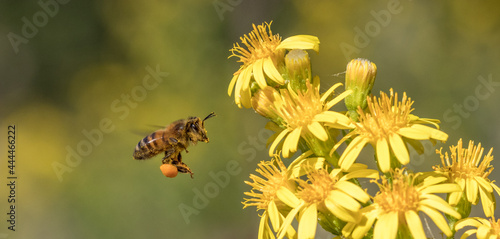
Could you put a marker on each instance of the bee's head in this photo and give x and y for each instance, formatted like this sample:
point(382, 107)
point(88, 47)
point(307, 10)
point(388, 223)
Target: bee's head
point(196, 128)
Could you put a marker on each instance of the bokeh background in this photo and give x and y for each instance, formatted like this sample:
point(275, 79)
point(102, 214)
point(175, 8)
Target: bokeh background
point(85, 58)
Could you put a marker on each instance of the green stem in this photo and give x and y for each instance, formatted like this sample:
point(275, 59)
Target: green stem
point(323, 148)
point(463, 207)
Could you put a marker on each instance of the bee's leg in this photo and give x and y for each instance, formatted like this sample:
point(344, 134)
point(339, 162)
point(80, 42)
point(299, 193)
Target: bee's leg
point(179, 158)
point(174, 141)
point(168, 156)
point(183, 168)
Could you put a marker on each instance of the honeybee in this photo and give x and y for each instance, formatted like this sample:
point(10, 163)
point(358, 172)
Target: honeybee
point(172, 140)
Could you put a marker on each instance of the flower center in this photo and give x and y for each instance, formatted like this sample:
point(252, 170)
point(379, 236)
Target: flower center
point(465, 162)
point(273, 177)
point(387, 116)
point(260, 43)
point(319, 187)
point(399, 197)
point(301, 108)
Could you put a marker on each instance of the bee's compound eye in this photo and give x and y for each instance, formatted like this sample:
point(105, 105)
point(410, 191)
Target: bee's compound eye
point(194, 127)
point(169, 170)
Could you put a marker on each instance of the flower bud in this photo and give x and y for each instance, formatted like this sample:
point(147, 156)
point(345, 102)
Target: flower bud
point(360, 76)
point(298, 65)
point(263, 103)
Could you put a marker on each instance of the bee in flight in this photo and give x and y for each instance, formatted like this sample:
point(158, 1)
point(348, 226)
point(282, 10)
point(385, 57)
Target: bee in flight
point(172, 140)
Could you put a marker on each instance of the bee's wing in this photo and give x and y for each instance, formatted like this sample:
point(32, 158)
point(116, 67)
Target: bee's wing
point(149, 129)
point(155, 126)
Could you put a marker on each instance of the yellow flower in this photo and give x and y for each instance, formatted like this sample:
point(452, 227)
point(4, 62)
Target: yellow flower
point(263, 195)
point(263, 54)
point(327, 193)
point(396, 207)
point(305, 114)
point(388, 126)
point(485, 229)
point(467, 170)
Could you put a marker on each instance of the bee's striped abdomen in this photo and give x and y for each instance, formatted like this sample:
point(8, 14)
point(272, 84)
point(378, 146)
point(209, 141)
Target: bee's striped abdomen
point(150, 146)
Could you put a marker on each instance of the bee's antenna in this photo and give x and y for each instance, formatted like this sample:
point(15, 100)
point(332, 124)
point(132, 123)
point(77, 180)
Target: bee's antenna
point(210, 116)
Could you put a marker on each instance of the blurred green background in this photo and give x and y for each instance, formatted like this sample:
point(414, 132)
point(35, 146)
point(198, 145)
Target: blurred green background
point(60, 79)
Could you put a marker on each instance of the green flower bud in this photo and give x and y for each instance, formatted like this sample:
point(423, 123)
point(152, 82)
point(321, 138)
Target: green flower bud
point(298, 65)
point(360, 76)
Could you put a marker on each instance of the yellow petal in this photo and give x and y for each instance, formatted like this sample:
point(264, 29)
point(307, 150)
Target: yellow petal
point(357, 166)
point(246, 97)
point(231, 85)
point(362, 173)
point(274, 215)
point(432, 132)
point(335, 172)
point(258, 73)
point(287, 197)
point(300, 42)
point(318, 131)
point(484, 184)
point(399, 149)
point(487, 203)
point(327, 116)
point(238, 88)
point(291, 142)
point(361, 230)
point(383, 156)
point(412, 133)
point(353, 190)
point(497, 189)
point(454, 198)
point(414, 224)
point(264, 230)
point(386, 226)
point(432, 180)
point(288, 220)
point(365, 223)
point(342, 123)
point(461, 183)
point(351, 152)
point(337, 99)
point(294, 168)
point(471, 190)
point(468, 222)
point(325, 95)
point(246, 75)
point(468, 233)
point(277, 140)
point(271, 139)
point(347, 230)
point(437, 218)
point(442, 188)
point(298, 168)
point(482, 232)
point(340, 212)
point(290, 232)
point(308, 222)
point(344, 200)
point(440, 204)
point(272, 72)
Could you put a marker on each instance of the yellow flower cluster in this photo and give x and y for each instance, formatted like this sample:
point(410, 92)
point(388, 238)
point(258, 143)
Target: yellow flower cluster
point(321, 185)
